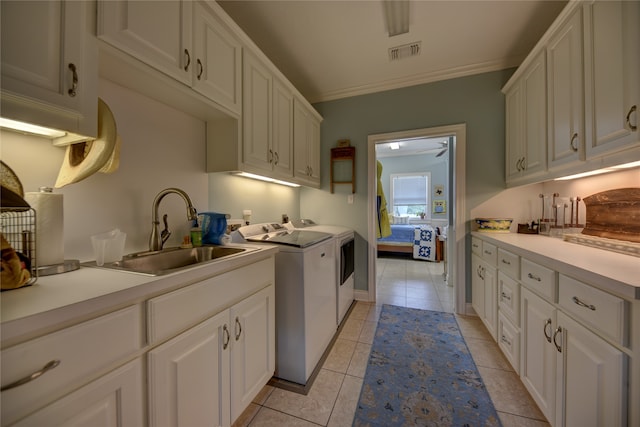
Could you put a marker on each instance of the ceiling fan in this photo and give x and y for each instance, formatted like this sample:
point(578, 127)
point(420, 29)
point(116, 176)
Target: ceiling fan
point(445, 147)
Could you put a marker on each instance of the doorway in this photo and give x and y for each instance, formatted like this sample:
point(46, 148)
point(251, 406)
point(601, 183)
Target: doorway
point(455, 135)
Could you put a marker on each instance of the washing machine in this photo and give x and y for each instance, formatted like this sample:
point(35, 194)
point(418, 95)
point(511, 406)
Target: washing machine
point(345, 259)
point(305, 296)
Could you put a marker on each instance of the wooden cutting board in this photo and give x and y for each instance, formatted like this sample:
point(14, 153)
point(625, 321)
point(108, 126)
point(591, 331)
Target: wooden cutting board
point(614, 214)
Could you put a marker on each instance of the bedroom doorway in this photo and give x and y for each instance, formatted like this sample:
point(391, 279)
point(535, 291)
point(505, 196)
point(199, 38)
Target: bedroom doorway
point(442, 150)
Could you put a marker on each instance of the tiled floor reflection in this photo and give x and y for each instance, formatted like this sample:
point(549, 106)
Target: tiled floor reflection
point(334, 395)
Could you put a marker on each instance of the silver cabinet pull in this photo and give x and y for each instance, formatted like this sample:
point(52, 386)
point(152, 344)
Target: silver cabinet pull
point(238, 329)
point(277, 157)
point(547, 324)
point(74, 84)
point(52, 364)
point(505, 340)
point(186, 66)
point(531, 276)
point(488, 252)
point(200, 68)
point(504, 261)
point(555, 334)
point(583, 304)
point(573, 139)
point(226, 337)
point(505, 296)
point(270, 156)
point(632, 127)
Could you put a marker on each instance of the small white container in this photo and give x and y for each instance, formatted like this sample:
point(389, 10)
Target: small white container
point(108, 247)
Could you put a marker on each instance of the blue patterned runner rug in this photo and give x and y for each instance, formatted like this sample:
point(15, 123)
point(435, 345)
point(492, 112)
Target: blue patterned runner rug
point(420, 373)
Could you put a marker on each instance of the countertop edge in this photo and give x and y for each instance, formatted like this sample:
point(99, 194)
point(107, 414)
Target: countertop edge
point(16, 328)
point(566, 259)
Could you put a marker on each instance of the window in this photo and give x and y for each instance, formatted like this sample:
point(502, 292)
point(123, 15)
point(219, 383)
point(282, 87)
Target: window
point(409, 194)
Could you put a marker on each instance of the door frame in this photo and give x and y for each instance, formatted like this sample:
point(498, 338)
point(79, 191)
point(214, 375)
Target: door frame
point(456, 233)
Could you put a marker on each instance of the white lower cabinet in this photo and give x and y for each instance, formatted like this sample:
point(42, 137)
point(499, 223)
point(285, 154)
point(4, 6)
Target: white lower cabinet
point(209, 374)
point(484, 285)
point(576, 377)
point(538, 359)
point(590, 379)
point(112, 400)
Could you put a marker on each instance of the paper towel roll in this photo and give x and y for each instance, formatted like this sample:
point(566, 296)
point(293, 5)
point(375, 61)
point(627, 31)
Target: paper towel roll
point(49, 226)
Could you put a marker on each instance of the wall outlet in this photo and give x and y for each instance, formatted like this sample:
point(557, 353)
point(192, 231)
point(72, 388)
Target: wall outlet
point(350, 199)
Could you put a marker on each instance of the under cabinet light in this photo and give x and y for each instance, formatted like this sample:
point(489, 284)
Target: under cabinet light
point(30, 129)
point(600, 171)
point(264, 178)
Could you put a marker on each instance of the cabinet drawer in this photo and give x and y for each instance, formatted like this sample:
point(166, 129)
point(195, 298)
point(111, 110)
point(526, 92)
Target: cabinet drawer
point(509, 297)
point(476, 246)
point(509, 263)
point(82, 350)
point(538, 278)
point(509, 341)
point(596, 308)
point(176, 311)
point(489, 253)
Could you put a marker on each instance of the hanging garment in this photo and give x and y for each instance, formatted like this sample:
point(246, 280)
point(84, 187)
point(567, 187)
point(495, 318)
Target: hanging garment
point(384, 229)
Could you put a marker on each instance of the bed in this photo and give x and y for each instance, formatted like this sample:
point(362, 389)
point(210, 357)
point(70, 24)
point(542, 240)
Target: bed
point(420, 240)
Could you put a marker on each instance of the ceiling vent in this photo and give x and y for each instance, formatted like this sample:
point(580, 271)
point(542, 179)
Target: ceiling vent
point(405, 51)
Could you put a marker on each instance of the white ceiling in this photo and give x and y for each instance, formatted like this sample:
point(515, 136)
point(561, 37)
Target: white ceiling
point(335, 49)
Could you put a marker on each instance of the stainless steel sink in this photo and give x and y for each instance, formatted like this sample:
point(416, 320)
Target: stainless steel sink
point(158, 263)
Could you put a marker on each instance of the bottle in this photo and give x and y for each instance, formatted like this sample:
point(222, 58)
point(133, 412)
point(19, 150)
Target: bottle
point(196, 236)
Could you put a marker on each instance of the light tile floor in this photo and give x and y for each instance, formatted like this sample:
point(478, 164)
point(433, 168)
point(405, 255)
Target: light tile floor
point(334, 395)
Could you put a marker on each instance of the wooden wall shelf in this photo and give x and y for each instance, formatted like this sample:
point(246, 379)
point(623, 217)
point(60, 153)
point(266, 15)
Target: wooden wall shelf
point(344, 154)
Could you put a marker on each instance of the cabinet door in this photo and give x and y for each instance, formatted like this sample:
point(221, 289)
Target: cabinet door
point(115, 399)
point(566, 93)
point(534, 85)
point(514, 123)
point(490, 319)
point(189, 377)
point(477, 286)
point(217, 69)
point(591, 378)
point(157, 32)
point(253, 354)
point(612, 67)
point(282, 125)
point(538, 355)
point(313, 154)
point(49, 59)
point(256, 109)
point(306, 137)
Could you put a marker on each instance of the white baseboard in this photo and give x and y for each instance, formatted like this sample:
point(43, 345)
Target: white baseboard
point(360, 295)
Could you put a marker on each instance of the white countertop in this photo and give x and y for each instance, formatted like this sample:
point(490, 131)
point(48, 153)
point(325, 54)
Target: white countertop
point(610, 271)
point(56, 301)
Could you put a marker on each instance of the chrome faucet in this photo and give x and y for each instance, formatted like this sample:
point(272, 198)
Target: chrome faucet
point(156, 241)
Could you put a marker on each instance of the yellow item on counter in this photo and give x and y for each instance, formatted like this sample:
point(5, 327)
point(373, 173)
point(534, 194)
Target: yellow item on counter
point(384, 228)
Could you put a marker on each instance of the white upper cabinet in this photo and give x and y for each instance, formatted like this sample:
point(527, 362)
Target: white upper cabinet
point(267, 120)
point(159, 33)
point(612, 70)
point(565, 91)
point(49, 65)
point(306, 139)
point(526, 122)
point(183, 39)
point(218, 59)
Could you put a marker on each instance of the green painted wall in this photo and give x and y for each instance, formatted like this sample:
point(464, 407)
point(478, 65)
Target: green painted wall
point(474, 100)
